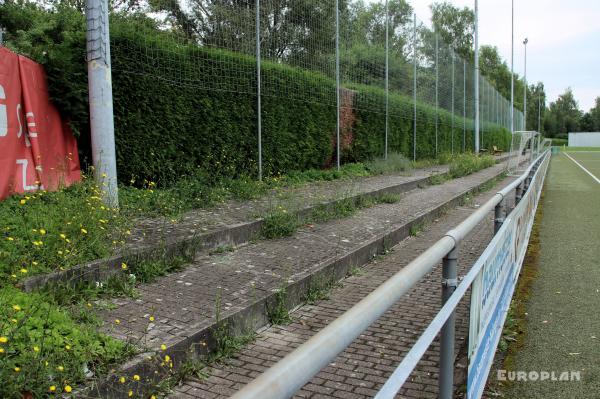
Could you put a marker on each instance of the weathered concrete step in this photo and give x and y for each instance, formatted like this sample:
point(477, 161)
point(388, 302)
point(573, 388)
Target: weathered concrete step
point(360, 370)
point(233, 223)
point(247, 280)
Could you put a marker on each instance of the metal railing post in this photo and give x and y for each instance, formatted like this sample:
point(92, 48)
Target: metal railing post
point(498, 216)
point(518, 193)
point(337, 81)
point(449, 284)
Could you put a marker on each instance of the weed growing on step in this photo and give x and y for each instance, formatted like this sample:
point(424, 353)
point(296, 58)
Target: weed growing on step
point(280, 223)
point(221, 249)
point(277, 312)
point(356, 271)
point(388, 198)
point(415, 229)
point(438, 179)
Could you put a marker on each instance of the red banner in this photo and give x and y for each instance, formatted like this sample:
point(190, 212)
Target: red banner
point(37, 150)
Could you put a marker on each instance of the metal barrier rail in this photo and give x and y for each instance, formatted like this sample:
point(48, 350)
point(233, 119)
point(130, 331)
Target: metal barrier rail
point(288, 375)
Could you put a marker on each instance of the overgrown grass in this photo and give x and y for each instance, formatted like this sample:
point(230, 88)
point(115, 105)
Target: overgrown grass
point(47, 231)
point(465, 164)
point(44, 351)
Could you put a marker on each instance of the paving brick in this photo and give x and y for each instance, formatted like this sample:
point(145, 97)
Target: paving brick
point(375, 354)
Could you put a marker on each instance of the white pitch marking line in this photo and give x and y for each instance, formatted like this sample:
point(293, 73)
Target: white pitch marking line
point(584, 169)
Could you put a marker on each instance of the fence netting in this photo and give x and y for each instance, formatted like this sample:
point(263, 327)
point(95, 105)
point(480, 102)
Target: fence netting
point(389, 60)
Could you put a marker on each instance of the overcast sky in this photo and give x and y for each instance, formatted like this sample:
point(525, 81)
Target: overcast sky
point(564, 41)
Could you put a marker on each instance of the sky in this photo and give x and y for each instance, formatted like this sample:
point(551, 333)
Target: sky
point(564, 41)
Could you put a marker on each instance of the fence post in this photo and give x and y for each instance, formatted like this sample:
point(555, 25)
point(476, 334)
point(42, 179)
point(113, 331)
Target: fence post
point(387, 71)
point(436, 92)
point(101, 101)
point(414, 86)
point(337, 81)
point(449, 283)
point(258, 92)
point(452, 107)
point(476, 89)
point(464, 145)
point(498, 217)
point(518, 194)
point(1, 36)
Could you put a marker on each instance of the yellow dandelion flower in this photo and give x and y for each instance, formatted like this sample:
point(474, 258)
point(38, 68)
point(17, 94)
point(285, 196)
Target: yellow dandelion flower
point(136, 377)
point(60, 368)
point(152, 397)
point(17, 369)
point(151, 318)
point(83, 231)
point(22, 202)
point(3, 340)
point(1, 350)
point(13, 320)
point(68, 388)
point(13, 275)
point(52, 388)
point(23, 270)
point(68, 347)
point(130, 393)
point(163, 347)
point(89, 305)
point(167, 358)
point(36, 348)
point(10, 238)
point(117, 321)
point(43, 232)
point(122, 380)
point(124, 266)
point(63, 236)
point(16, 308)
point(34, 263)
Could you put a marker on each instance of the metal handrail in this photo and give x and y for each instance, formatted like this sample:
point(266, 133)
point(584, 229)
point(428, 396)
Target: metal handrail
point(409, 362)
point(288, 375)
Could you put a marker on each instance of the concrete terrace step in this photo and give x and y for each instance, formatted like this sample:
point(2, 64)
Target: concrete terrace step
point(363, 367)
point(233, 222)
point(247, 280)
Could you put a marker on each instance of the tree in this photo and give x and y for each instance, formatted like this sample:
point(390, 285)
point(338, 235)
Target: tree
point(563, 115)
point(456, 26)
point(594, 117)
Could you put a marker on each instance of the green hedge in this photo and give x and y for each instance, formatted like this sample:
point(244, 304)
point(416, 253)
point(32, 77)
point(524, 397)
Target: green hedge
point(184, 110)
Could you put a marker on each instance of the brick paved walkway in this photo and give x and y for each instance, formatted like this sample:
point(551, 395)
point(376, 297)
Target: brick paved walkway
point(184, 302)
point(360, 370)
point(148, 231)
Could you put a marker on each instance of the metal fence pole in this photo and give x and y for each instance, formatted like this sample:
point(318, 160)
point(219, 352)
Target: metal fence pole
point(1, 36)
point(436, 92)
point(337, 80)
point(452, 96)
point(258, 92)
point(414, 86)
point(476, 89)
point(498, 217)
point(387, 71)
point(102, 125)
point(449, 283)
point(464, 141)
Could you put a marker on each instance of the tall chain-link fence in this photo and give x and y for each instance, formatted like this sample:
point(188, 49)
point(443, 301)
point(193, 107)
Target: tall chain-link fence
point(383, 79)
